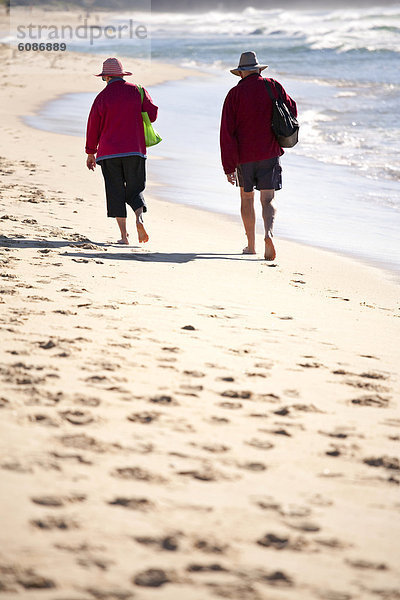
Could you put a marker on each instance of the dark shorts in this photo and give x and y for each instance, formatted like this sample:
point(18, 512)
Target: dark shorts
point(125, 180)
point(261, 174)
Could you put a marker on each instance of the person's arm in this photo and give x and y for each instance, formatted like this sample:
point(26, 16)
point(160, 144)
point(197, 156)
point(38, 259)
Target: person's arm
point(149, 106)
point(92, 136)
point(228, 142)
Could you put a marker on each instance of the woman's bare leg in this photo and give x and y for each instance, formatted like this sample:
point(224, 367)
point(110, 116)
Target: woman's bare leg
point(122, 227)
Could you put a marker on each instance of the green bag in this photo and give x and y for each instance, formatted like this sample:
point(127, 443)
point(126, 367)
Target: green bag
point(151, 137)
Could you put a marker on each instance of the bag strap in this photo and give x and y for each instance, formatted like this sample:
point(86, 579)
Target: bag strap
point(269, 90)
point(141, 92)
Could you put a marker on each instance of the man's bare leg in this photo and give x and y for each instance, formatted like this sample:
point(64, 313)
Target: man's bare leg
point(268, 213)
point(249, 220)
point(142, 233)
point(122, 227)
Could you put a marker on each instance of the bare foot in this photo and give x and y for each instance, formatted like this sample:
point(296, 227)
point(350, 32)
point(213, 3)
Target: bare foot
point(248, 250)
point(124, 241)
point(142, 233)
point(270, 253)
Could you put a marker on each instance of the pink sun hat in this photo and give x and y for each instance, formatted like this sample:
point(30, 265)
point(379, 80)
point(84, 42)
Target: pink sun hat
point(113, 68)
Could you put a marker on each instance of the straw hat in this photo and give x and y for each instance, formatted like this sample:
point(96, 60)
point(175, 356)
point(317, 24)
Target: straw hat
point(113, 68)
point(248, 62)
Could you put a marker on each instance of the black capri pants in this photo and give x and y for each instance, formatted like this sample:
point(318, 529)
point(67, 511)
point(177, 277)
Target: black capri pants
point(125, 181)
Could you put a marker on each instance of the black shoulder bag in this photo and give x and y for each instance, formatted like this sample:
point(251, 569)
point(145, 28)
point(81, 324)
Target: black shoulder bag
point(284, 125)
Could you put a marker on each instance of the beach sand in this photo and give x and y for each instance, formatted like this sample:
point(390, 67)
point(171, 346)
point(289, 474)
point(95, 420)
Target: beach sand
point(179, 421)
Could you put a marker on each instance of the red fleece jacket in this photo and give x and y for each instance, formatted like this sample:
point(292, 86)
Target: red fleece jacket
point(115, 125)
point(246, 134)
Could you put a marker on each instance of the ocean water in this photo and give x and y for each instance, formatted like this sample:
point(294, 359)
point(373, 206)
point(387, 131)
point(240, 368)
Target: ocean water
point(342, 181)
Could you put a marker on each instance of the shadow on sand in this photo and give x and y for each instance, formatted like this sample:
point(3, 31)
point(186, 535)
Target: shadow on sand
point(132, 252)
point(156, 257)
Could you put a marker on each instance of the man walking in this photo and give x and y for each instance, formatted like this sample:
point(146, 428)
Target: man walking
point(249, 149)
point(115, 134)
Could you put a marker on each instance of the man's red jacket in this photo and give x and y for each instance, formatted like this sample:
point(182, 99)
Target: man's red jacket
point(246, 134)
point(115, 124)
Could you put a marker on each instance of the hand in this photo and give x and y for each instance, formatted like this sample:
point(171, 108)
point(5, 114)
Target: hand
point(91, 162)
point(231, 177)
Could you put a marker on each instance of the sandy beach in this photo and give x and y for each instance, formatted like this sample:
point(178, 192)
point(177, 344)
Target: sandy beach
point(179, 421)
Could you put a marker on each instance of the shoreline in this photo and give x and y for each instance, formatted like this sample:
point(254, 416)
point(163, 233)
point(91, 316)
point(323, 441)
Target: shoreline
point(178, 419)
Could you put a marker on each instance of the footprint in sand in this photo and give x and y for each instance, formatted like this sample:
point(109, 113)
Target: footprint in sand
point(280, 431)
point(85, 442)
point(153, 578)
point(339, 433)
point(387, 462)
point(132, 503)
point(210, 546)
point(47, 345)
point(366, 385)
point(218, 420)
point(210, 568)
point(334, 451)
point(259, 415)
point(13, 577)
point(283, 542)
point(88, 562)
point(276, 579)
point(333, 595)
point(373, 375)
point(230, 405)
point(137, 474)
point(333, 543)
point(243, 395)
point(43, 420)
point(255, 467)
point(260, 444)
point(43, 398)
point(109, 593)
point(194, 373)
point(77, 417)
point(16, 467)
point(97, 379)
point(310, 365)
point(305, 526)
point(172, 349)
point(58, 501)
point(282, 412)
point(273, 398)
point(205, 473)
point(295, 511)
point(144, 417)
point(374, 400)
point(190, 390)
point(74, 457)
point(255, 374)
point(168, 542)
point(310, 408)
point(366, 564)
point(164, 400)
point(215, 448)
point(87, 400)
point(51, 522)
